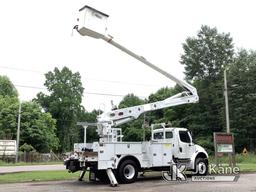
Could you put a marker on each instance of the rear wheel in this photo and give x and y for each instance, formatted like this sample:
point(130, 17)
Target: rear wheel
point(201, 166)
point(127, 172)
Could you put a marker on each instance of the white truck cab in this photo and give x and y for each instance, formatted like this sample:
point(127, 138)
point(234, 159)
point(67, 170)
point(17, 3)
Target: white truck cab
point(183, 148)
point(180, 138)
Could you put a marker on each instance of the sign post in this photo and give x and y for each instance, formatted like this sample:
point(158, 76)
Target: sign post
point(224, 144)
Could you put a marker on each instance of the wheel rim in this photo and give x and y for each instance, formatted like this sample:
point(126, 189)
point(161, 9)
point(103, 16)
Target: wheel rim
point(202, 168)
point(129, 171)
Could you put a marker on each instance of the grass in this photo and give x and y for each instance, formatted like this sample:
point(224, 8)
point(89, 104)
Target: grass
point(250, 167)
point(246, 163)
point(37, 176)
point(240, 159)
point(243, 168)
point(2, 163)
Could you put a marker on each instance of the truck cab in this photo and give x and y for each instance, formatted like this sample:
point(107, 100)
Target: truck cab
point(182, 147)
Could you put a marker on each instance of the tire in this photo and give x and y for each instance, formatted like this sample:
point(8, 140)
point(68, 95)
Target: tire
point(201, 166)
point(102, 176)
point(127, 172)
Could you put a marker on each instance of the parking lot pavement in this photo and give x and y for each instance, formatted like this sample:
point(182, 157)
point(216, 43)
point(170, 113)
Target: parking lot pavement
point(246, 182)
point(14, 169)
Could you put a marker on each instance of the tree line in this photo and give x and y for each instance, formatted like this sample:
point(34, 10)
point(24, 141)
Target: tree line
point(49, 120)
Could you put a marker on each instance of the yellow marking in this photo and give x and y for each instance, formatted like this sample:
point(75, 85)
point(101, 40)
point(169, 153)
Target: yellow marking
point(167, 145)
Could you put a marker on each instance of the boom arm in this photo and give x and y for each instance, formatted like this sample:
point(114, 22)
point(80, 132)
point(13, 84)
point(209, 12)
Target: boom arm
point(120, 116)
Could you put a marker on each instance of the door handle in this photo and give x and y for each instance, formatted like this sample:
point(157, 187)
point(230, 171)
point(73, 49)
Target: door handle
point(180, 149)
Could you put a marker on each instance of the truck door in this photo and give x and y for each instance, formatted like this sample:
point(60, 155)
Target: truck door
point(156, 154)
point(167, 148)
point(186, 148)
point(162, 150)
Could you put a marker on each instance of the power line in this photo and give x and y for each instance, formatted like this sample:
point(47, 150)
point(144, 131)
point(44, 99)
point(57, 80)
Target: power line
point(123, 82)
point(30, 87)
point(20, 69)
point(216, 87)
point(88, 93)
point(109, 81)
point(90, 79)
point(217, 102)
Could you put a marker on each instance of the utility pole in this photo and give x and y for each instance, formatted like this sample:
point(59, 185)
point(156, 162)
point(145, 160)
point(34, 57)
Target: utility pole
point(18, 134)
point(226, 101)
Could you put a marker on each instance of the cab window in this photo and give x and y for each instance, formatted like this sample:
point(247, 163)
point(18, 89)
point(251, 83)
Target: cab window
point(184, 136)
point(168, 135)
point(158, 135)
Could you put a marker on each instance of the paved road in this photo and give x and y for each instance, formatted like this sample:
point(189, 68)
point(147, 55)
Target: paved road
point(246, 182)
point(12, 169)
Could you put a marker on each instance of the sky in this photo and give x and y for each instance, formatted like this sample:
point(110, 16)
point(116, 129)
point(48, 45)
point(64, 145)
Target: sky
point(36, 36)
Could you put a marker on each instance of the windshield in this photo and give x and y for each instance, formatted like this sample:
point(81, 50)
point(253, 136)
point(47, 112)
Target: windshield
point(184, 136)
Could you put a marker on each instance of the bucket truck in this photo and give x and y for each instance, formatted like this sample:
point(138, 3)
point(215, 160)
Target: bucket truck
point(118, 161)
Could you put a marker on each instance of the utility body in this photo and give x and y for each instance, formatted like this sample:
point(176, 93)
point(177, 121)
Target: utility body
point(114, 160)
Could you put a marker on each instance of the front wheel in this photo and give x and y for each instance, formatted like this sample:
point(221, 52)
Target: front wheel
point(201, 166)
point(127, 172)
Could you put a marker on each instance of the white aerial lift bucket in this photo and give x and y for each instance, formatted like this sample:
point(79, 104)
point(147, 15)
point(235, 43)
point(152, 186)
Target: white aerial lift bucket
point(91, 22)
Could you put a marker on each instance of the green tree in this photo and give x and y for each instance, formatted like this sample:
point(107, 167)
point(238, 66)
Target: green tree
point(8, 116)
point(8, 108)
point(91, 134)
point(7, 88)
point(64, 103)
point(205, 57)
point(132, 131)
point(162, 115)
point(242, 98)
point(130, 100)
point(37, 128)
point(27, 148)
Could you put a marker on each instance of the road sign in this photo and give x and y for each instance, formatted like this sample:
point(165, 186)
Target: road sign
point(224, 144)
point(7, 148)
